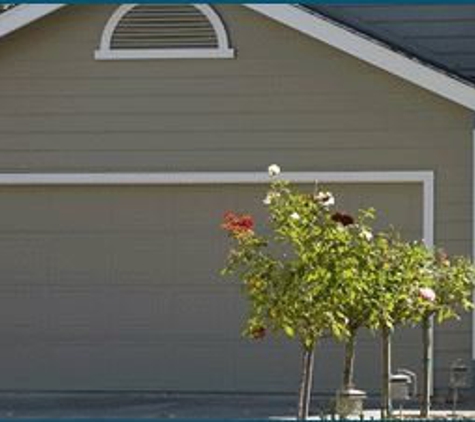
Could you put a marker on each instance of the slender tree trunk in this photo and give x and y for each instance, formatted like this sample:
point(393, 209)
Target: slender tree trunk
point(306, 385)
point(386, 405)
point(427, 342)
point(348, 373)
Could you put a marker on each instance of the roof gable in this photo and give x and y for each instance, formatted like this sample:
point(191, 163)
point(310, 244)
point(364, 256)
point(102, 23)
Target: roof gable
point(320, 28)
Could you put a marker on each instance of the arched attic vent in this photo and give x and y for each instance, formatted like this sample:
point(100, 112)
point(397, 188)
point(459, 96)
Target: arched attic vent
point(164, 31)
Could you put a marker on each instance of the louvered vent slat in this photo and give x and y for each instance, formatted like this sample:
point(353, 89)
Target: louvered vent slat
point(168, 38)
point(164, 26)
point(165, 33)
point(149, 18)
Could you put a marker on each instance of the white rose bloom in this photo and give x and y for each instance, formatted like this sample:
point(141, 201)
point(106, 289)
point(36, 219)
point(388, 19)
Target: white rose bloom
point(274, 170)
point(271, 196)
point(295, 216)
point(319, 196)
point(326, 198)
point(330, 201)
point(366, 234)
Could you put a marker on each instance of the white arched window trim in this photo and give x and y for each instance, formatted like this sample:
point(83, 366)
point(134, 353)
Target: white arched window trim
point(222, 51)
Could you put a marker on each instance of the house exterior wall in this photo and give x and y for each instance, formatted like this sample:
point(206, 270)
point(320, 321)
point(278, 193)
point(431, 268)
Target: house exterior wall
point(285, 99)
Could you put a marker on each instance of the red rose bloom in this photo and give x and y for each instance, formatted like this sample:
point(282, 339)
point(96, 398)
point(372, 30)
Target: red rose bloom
point(237, 224)
point(343, 218)
point(258, 333)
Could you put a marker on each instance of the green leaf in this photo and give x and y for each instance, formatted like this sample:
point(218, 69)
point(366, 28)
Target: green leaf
point(289, 330)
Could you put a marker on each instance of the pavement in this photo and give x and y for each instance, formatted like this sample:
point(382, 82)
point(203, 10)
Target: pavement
point(146, 405)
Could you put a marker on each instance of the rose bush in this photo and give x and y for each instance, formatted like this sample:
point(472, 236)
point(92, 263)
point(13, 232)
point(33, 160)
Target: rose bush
point(293, 277)
point(321, 271)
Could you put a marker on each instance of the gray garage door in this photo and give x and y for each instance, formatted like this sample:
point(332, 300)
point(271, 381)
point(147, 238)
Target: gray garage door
point(119, 288)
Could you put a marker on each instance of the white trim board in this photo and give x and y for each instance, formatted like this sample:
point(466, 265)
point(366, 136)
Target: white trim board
point(175, 53)
point(24, 14)
point(425, 178)
point(319, 28)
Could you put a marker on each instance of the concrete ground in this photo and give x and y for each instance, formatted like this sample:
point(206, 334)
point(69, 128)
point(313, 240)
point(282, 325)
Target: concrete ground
point(94, 405)
point(144, 405)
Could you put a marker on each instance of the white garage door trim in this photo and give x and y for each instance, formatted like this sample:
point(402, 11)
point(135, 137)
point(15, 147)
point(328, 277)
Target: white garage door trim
point(425, 178)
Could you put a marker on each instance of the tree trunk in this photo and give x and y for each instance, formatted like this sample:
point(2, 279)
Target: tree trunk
point(306, 385)
point(427, 342)
point(348, 373)
point(386, 405)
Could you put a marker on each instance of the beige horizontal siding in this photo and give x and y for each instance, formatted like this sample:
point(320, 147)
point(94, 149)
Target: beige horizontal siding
point(204, 160)
point(221, 122)
point(187, 104)
point(431, 143)
point(285, 99)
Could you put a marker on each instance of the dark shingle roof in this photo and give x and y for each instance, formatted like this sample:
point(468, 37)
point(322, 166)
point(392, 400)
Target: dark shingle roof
point(6, 6)
point(440, 34)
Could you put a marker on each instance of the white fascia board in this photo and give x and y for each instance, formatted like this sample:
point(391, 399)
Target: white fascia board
point(369, 51)
point(23, 14)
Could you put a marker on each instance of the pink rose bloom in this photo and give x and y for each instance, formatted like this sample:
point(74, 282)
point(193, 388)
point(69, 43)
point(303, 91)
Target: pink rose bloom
point(427, 293)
